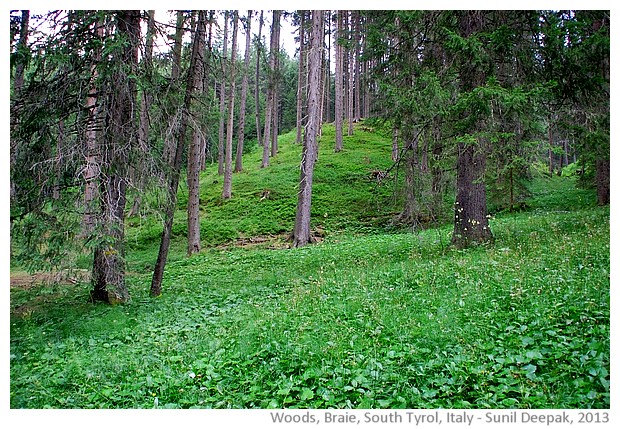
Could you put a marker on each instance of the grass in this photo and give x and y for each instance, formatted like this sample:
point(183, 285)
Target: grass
point(373, 320)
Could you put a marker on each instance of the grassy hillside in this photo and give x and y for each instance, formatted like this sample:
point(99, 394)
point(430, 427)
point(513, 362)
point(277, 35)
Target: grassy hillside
point(346, 197)
point(372, 320)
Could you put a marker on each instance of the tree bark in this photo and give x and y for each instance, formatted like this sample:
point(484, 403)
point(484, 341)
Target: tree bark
point(395, 145)
point(357, 34)
point(602, 181)
point(108, 275)
point(208, 55)
point(22, 49)
point(221, 136)
point(173, 178)
point(275, 127)
point(257, 79)
point(350, 83)
point(227, 190)
point(471, 225)
point(339, 107)
point(244, 95)
point(145, 103)
point(302, 233)
point(194, 159)
point(300, 75)
point(93, 154)
point(328, 79)
point(174, 77)
point(271, 87)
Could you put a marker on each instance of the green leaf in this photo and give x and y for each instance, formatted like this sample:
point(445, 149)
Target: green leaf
point(306, 394)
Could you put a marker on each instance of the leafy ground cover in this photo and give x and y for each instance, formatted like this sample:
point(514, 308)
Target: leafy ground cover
point(365, 319)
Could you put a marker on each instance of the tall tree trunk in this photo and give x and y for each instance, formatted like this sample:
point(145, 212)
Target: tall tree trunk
point(300, 75)
point(173, 178)
point(145, 103)
point(275, 127)
point(328, 79)
point(244, 96)
point(108, 275)
point(339, 107)
point(227, 190)
point(22, 49)
point(357, 34)
point(93, 153)
point(603, 151)
point(471, 224)
point(195, 156)
point(350, 81)
point(221, 133)
point(177, 47)
point(208, 55)
point(257, 79)
point(18, 83)
point(271, 87)
point(174, 77)
point(302, 234)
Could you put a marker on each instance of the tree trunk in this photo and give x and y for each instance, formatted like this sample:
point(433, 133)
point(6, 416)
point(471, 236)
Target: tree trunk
point(267, 130)
point(395, 146)
point(145, 103)
point(357, 34)
point(18, 83)
point(269, 108)
point(257, 79)
point(328, 79)
point(302, 234)
point(60, 148)
point(194, 159)
point(244, 95)
point(227, 190)
point(471, 225)
point(177, 48)
point(350, 81)
point(173, 178)
point(108, 275)
point(208, 55)
point(275, 127)
point(602, 181)
point(22, 49)
point(339, 107)
point(550, 135)
point(300, 75)
point(174, 77)
point(221, 136)
point(411, 209)
point(93, 161)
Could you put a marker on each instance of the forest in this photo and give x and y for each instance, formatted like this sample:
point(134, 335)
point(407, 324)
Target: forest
point(310, 209)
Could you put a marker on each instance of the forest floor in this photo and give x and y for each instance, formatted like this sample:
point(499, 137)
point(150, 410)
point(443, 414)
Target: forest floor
point(368, 318)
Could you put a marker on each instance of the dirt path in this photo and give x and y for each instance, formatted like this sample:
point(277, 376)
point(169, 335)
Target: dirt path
point(21, 279)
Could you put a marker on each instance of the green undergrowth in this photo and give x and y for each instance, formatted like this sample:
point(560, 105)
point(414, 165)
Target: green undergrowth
point(380, 320)
point(346, 196)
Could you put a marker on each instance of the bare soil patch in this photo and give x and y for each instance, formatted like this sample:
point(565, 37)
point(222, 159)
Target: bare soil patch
point(24, 280)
